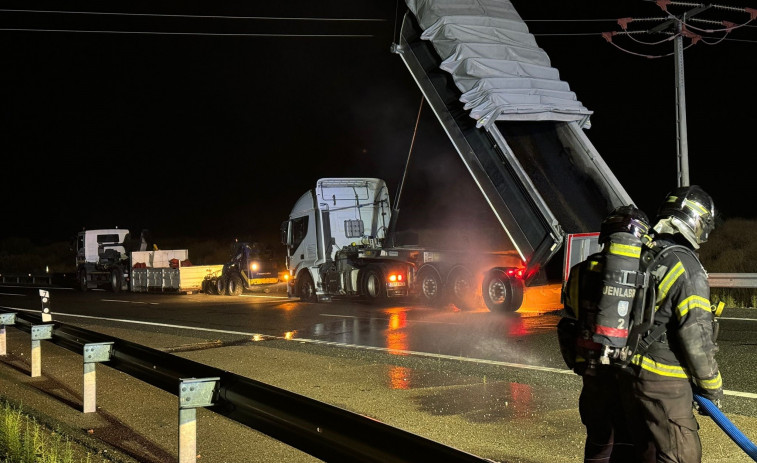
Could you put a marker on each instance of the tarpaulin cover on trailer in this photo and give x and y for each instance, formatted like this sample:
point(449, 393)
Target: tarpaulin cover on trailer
point(495, 62)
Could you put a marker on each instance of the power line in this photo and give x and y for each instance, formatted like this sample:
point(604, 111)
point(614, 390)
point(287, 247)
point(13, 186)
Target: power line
point(198, 34)
point(677, 28)
point(185, 16)
point(626, 33)
point(680, 25)
point(161, 15)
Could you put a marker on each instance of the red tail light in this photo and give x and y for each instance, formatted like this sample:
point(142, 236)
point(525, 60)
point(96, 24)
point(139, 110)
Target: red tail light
point(395, 277)
point(515, 272)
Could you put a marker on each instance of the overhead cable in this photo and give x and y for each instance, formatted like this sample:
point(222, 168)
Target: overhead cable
point(217, 34)
point(189, 16)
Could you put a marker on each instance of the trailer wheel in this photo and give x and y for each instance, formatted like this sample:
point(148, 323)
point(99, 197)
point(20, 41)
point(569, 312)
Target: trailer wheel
point(235, 287)
point(82, 277)
point(430, 286)
point(306, 287)
point(210, 286)
point(461, 288)
point(372, 283)
point(115, 280)
point(222, 286)
point(502, 293)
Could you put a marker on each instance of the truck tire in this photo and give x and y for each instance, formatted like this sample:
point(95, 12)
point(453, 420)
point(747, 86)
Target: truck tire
point(430, 286)
point(372, 285)
point(306, 287)
point(461, 288)
point(502, 293)
point(222, 286)
point(115, 280)
point(235, 286)
point(82, 278)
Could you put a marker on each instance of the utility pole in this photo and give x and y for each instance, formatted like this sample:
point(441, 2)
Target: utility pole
point(682, 147)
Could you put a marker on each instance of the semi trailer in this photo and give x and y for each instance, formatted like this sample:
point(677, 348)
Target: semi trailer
point(519, 131)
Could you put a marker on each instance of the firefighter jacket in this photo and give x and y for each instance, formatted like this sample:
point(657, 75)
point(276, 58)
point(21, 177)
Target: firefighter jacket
point(682, 303)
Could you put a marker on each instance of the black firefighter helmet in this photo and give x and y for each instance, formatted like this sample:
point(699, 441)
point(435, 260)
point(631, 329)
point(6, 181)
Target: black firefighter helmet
point(625, 219)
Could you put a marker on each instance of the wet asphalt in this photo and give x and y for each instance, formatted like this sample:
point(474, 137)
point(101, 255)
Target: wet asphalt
point(497, 413)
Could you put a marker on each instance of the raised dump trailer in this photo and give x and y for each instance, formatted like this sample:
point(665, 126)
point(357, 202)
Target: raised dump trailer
point(516, 126)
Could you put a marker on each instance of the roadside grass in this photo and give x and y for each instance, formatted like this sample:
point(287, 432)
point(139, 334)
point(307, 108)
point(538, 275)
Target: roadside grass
point(732, 248)
point(24, 440)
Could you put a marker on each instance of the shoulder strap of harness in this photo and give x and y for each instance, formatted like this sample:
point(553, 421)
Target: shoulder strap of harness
point(658, 329)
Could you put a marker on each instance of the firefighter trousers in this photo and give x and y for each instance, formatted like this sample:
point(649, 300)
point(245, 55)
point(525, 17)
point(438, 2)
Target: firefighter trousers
point(661, 419)
point(602, 413)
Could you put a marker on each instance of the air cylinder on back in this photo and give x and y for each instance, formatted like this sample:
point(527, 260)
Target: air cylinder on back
point(620, 282)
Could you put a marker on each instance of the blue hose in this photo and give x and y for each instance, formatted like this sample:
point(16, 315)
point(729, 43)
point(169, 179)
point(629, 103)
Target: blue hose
point(726, 425)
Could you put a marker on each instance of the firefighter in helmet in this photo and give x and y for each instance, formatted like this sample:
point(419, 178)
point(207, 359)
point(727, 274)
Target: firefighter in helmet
point(621, 235)
point(682, 361)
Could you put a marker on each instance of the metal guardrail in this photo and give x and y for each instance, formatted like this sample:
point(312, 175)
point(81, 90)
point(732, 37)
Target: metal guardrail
point(319, 429)
point(733, 280)
point(26, 279)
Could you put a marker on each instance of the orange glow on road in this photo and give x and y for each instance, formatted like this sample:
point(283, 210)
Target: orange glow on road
point(397, 320)
point(399, 378)
point(542, 298)
point(396, 338)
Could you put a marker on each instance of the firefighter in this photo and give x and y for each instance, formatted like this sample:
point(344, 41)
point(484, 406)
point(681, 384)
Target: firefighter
point(680, 362)
point(599, 404)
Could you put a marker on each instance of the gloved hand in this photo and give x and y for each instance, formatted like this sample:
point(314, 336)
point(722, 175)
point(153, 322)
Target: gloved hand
point(713, 395)
point(700, 410)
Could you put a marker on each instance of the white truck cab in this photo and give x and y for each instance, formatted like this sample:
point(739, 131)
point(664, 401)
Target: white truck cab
point(334, 239)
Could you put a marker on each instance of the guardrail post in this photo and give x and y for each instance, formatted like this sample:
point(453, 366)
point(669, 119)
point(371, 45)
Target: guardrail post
point(39, 332)
point(193, 393)
point(93, 353)
point(5, 319)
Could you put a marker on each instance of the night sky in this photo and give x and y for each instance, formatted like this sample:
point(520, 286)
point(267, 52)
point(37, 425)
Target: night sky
point(211, 127)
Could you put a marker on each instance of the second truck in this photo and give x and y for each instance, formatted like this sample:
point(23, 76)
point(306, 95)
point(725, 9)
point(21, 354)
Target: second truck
point(111, 259)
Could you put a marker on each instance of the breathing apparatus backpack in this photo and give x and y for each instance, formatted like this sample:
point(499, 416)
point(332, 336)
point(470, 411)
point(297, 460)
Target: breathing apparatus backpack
point(604, 291)
point(596, 295)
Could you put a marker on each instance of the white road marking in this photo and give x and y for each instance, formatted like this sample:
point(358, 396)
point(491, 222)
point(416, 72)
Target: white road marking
point(387, 318)
point(266, 297)
point(522, 366)
point(129, 302)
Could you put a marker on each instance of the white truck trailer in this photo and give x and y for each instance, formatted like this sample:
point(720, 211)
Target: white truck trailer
point(105, 259)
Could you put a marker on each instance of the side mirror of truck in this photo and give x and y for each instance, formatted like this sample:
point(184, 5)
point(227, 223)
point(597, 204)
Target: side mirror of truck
point(283, 230)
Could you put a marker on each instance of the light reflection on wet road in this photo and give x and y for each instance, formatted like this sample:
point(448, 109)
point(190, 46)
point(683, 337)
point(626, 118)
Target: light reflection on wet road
point(481, 335)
